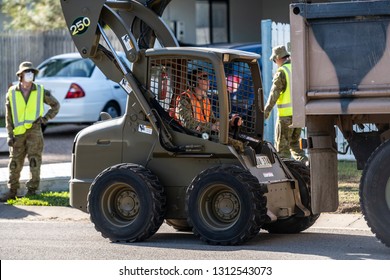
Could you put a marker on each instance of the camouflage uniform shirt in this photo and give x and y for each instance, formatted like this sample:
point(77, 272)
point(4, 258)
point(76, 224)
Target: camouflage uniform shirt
point(279, 84)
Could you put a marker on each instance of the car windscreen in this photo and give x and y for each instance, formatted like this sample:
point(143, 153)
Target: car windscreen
point(66, 67)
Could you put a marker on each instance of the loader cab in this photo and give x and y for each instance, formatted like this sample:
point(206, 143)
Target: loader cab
point(235, 86)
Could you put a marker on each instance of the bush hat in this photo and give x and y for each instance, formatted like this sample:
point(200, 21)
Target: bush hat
point(279, 52)
point(26, 65)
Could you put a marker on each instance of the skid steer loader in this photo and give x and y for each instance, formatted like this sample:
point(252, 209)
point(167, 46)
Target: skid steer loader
point(133, 172)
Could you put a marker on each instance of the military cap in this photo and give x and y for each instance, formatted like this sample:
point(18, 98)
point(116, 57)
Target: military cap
point(279, 52)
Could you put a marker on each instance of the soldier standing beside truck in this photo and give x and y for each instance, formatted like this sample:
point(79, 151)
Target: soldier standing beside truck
point(286, 137)
point(24, 116)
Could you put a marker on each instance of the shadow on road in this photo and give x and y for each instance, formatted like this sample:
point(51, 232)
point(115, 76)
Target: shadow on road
point(15, 213)
point(329, 245)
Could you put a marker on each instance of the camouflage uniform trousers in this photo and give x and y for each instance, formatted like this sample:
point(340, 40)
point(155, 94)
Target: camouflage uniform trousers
point(287, 140)
point(29, 144)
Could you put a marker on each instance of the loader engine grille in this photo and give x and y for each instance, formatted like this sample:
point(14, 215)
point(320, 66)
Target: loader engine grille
point(175, 82)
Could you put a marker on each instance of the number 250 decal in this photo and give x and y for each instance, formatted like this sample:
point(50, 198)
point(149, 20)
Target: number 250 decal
point(80, 25)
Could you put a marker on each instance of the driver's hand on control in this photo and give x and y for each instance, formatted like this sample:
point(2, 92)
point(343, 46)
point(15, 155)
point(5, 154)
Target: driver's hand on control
point(236, 120)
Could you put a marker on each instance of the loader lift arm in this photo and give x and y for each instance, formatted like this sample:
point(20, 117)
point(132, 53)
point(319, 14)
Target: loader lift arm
point(135, 25)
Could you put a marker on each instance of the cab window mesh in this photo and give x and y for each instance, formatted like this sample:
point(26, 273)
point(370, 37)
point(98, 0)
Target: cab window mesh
point(175, 82)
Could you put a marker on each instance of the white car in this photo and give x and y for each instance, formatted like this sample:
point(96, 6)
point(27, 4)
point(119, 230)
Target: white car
point(3, 140)
point(82, 90)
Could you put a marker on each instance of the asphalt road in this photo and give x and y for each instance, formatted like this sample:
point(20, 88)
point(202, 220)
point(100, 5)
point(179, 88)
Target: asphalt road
point(58, 144)
point(56, 233)
point(78, 240)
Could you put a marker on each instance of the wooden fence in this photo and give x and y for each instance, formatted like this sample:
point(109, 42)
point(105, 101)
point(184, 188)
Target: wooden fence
point(16, 47)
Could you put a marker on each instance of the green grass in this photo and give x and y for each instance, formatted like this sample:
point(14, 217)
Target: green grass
point(43, 199)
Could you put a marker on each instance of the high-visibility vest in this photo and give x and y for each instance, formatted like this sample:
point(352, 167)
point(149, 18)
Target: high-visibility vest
point(23, 115)
point(284, 101)
point(201, 109)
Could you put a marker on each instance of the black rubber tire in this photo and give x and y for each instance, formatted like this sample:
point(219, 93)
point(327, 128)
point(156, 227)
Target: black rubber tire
point(375, 192)
point(113, 109)
point(296, 224)
point(126, 202)
point(179, 224)
point(225, 205)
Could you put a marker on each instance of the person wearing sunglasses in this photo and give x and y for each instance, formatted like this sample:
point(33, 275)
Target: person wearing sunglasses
point(194, 109)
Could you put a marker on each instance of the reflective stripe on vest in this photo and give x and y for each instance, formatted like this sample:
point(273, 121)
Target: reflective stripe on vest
point(284, 101)
point(23, 114)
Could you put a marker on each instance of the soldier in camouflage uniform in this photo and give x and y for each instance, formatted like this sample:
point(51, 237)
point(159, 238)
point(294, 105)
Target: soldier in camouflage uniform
point(286, 137)
point(194, 108)
point(24, 117)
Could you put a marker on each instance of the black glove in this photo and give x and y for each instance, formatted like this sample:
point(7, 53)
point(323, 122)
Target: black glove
point(11, 141)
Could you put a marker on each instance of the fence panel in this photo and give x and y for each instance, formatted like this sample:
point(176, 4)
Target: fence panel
point(18, 46)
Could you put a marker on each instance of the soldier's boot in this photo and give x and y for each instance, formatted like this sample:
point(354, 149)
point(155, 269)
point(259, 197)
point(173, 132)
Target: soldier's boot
point(31, 192)
point(10, 195)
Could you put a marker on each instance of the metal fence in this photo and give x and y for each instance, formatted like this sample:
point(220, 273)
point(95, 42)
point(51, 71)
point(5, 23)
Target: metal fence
point(19, 46)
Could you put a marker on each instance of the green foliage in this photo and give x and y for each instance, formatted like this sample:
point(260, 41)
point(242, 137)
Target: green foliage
point(43, 199)
point(39, 15)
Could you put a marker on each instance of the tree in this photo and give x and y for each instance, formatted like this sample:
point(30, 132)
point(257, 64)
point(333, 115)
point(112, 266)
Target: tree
point(33, 14)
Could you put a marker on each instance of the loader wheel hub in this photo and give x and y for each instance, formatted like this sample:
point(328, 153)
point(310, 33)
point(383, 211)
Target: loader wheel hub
point(128, 204)
point(227, 206)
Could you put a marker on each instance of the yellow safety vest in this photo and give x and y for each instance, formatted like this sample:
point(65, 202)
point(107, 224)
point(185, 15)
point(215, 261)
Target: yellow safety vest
point(23, 115)
point(284, 101)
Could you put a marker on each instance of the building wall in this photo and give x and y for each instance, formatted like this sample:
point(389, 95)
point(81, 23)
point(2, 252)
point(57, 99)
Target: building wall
point(182, 11)
point(245, 17)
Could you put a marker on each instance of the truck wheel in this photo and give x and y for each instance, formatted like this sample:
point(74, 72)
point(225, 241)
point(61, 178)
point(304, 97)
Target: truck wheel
point(375, 193)
point(126, 202)
point(225, 205)
point(179, 224)
point(295, 224)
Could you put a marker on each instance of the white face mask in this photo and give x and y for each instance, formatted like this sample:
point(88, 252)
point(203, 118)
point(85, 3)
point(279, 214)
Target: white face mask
point(28, 77)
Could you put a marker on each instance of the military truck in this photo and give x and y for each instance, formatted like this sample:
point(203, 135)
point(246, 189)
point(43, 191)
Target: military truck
point(341, 54)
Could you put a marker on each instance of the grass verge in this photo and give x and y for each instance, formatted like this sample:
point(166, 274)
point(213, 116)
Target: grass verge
point(43, 199)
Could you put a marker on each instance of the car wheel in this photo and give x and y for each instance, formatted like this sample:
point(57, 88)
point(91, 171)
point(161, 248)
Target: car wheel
point(112, 109)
